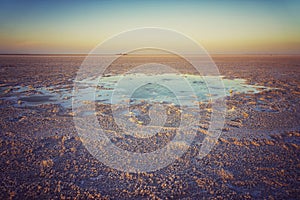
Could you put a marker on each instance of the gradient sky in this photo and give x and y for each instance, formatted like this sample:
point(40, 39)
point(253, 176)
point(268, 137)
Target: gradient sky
point(219, 26)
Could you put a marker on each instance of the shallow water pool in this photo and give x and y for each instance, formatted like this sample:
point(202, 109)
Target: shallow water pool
point(132, 88)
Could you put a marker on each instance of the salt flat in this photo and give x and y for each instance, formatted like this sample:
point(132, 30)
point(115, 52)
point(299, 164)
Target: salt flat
point(256, 156)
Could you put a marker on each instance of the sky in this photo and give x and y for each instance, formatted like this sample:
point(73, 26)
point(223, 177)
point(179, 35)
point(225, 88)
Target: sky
point(220, 26)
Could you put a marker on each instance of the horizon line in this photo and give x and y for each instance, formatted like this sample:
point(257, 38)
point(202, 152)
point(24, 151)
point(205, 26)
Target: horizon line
point(85, 54)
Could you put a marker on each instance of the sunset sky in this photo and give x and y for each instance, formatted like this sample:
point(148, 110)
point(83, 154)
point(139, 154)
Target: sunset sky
point(219, 26)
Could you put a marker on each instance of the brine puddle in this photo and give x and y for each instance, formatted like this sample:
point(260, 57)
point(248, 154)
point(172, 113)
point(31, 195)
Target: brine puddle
point(103, 90)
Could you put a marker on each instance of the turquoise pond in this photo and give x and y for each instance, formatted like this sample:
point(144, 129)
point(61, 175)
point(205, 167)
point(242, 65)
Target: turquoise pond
point(131, 88)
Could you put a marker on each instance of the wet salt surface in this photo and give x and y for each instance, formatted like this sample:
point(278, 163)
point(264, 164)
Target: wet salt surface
point(102, 91)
